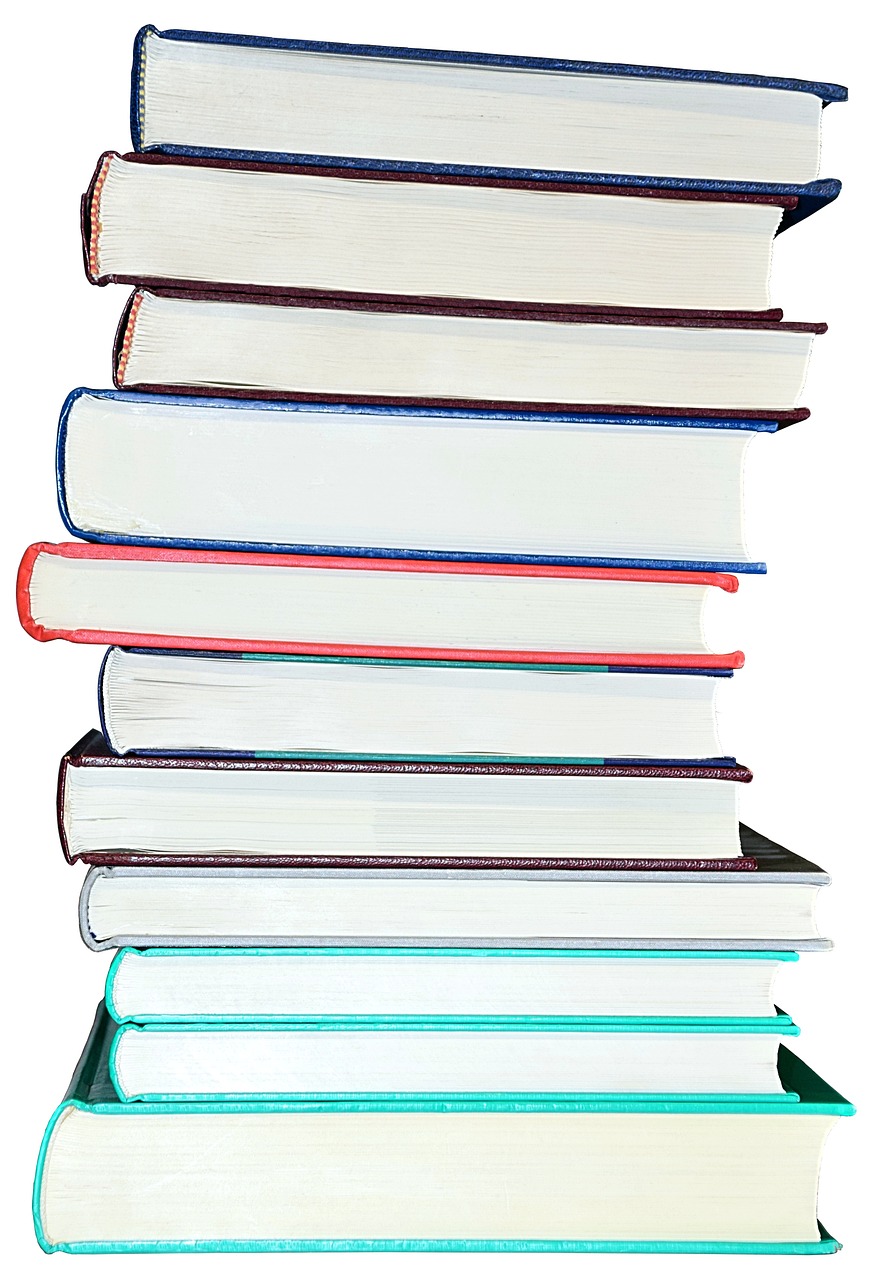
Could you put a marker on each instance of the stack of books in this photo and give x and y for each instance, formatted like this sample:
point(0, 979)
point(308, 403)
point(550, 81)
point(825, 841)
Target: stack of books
point(436, 927)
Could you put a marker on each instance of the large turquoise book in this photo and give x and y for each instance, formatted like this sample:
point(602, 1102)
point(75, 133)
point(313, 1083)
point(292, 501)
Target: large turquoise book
point(607, 1174)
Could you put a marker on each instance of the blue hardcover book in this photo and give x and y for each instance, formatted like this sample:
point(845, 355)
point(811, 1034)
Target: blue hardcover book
point(407, 482)
point(608, 1174)
point(478, 115)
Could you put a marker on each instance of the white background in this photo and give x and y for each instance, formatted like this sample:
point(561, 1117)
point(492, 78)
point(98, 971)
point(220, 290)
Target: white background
point(800, 714)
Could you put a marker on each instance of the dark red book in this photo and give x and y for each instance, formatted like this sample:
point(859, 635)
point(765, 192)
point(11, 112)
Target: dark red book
point(137, 843)
point(448, 354)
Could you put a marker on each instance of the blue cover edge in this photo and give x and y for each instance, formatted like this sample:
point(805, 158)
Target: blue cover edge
point(422, 411)
point(102, 719)
point(415, 554)
point(136, 63)
point(393, 553)
point(828, 92)
point(232, 655)
point(811, 195)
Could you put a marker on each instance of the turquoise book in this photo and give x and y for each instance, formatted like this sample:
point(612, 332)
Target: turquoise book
point(596, 1175)
point(335, 1023)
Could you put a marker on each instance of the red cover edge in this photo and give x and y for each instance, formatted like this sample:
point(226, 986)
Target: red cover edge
point(474, 308)
point(59, 808)
point(22, 591)
point(376, 863)
point(89, 551)
point(436, 304)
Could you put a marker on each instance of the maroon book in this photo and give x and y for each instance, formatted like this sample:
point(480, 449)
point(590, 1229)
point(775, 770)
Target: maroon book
point(92, 752)
point(125, 335)
point(90, 221)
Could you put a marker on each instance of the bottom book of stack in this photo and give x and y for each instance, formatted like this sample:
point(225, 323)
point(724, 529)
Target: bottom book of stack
point(455, 1099)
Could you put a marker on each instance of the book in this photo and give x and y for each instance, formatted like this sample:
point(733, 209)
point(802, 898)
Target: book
point(769, 909)
point(632, 491)
point(431, 110)
point(379, 352)
point(162, 221)
point(604, 1175)
point(181, 703)
point(453, 985)
point(357, 607)
point(285, 811)
point(423, 1060)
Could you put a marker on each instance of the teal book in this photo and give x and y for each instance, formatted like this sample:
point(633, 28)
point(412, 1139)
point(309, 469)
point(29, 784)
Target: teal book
point(463, 986)
point(373, 1060)
point(606, 1174)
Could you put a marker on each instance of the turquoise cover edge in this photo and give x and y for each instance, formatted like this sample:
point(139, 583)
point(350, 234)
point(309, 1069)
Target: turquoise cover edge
point(130, 1028)
point(36, 1195)
point(606, 1103)
point(573, 1026)
point(505, 952)
point(566, 953)
point(144, 1022)
point(826, 1244)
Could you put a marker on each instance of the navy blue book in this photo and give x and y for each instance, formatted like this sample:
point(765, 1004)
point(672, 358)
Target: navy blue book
point(407, 482)
point(448, 112)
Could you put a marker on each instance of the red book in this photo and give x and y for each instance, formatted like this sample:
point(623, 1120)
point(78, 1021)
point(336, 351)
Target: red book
point(357, 607)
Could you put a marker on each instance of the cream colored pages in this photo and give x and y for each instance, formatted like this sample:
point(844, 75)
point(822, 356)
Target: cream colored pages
point(404, 481)
point(396, 908)
point(431, 610)
point(203, 95)
point(425, 239)
point(428, 1175)
point(186, 342)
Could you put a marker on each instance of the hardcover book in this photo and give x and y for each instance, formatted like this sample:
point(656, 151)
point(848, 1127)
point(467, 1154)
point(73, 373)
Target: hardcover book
point(288, 811)
point(156, 220)
point(198, 342)
point(443, 111)
point(603, 1175)
point(422, 1060)
point(770, 909)
point(356, 607)
point(414, 483)
point(456, 986)
point(167, 702)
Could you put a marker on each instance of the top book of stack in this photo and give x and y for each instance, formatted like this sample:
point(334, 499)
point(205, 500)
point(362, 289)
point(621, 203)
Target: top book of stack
point(479, 115)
